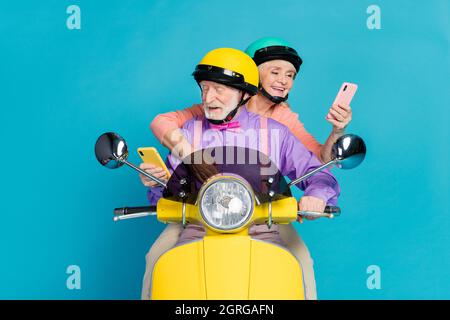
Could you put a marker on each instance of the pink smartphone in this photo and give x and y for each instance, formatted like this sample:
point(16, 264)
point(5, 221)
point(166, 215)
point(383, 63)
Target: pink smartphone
point(346, 93)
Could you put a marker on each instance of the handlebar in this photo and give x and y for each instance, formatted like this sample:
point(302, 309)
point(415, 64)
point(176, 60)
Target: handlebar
point(133, 212)
point(138, 212)
point(329, 212)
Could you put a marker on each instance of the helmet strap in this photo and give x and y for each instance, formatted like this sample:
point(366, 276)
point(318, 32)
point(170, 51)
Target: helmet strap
point(274, 99)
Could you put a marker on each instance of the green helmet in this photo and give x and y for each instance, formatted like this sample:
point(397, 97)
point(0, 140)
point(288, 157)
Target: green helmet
point(266, 49)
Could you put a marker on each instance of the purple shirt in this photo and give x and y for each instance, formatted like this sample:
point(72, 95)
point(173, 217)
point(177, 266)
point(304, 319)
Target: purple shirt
point(284, 149)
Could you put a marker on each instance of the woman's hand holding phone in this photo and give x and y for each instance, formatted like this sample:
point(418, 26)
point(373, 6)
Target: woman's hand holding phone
point(340, 113)
point(339, 116)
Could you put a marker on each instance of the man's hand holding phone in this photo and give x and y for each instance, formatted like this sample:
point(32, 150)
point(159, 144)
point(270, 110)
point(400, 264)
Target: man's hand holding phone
point(155, 171)
point(153, 164)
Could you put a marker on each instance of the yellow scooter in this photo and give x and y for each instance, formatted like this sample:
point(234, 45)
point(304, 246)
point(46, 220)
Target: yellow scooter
point(227, 196)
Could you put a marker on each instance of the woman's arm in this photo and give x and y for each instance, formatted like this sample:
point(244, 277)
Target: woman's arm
point(166, 128)
point(339, 116)
point(325, 149)
point(284, 115)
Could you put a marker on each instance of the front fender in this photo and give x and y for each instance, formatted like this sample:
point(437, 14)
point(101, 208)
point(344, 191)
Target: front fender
point(227, 267)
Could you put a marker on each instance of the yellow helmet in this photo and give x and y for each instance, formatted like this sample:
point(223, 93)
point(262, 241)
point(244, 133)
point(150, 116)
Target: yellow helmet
point(230, 67)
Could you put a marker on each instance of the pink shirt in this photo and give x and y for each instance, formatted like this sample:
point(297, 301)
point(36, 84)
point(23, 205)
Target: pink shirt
point(166, 122)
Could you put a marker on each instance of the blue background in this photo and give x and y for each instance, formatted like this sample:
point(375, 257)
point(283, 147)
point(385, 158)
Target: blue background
point(60, 89)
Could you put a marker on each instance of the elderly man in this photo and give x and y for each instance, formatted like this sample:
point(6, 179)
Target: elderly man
point(227, 78)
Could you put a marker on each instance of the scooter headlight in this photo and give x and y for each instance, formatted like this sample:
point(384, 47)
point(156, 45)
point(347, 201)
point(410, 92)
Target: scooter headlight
point(226, 203)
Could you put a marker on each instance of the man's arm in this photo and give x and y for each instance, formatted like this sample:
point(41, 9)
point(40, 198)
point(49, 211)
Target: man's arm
point(154, 192)
point(296, 161)
point(290, 119)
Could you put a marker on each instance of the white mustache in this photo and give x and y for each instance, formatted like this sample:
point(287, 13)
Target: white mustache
point(213, 105)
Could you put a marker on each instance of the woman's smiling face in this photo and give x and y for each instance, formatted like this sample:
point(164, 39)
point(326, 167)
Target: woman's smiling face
point(277, 77)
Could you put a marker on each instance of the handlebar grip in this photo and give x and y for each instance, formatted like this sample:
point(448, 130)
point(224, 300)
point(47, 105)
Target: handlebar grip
point(336, 211)
point(132, 210)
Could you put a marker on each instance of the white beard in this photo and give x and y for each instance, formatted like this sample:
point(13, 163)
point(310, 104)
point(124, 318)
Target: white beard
point(225, 110)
